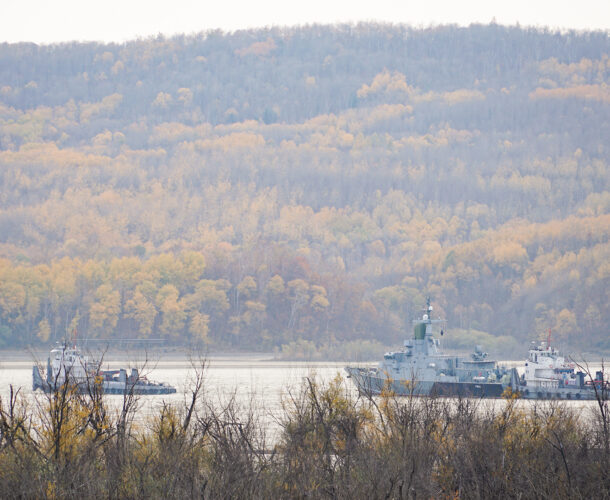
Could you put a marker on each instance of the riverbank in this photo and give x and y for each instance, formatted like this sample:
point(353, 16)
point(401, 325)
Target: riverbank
point(326, 441)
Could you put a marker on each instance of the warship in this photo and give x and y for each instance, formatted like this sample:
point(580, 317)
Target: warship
point(421, 368)
point(66, 364)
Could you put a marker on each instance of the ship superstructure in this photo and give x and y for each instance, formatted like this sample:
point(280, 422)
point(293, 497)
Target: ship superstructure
point(421, 368)
point(67, 365)
point(548, 375)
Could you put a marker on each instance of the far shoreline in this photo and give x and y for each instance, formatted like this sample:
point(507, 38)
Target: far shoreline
point(179, 354)
point(169, 354)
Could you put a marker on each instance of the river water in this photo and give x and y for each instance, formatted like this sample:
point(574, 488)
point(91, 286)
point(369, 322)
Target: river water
point(252, 380)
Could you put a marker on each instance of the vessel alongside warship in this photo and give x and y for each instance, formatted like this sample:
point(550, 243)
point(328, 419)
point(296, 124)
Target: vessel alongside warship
point(67, 364)
point(421, 368)
point(548, 375)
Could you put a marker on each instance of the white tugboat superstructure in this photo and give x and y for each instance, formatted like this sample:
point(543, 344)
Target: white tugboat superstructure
point(67, 365)
point(548, 375)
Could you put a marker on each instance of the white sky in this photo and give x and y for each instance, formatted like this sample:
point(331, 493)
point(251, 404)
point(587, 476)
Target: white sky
point(48, 21)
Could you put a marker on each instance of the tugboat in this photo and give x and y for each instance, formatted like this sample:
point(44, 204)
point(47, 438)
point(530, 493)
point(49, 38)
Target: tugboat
point(421, 369)
point(548, 375)
point(67, 364)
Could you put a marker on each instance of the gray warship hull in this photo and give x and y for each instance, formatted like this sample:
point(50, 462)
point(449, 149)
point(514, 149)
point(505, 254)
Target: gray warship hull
point(370, 382)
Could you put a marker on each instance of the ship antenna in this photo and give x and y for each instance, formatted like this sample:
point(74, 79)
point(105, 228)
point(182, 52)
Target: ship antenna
point(428, 310)
point(548, 340)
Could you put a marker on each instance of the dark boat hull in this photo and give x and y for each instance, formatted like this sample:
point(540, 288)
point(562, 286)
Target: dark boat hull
point(561, 393)
point(467, 389)
point(106, 387)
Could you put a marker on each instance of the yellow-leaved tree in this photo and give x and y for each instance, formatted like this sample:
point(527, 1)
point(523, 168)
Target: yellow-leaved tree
point(142, 311)
point(104, 311)
point(172, 310)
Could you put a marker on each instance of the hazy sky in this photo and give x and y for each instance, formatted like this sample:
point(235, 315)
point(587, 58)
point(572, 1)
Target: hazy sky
point(47, 21)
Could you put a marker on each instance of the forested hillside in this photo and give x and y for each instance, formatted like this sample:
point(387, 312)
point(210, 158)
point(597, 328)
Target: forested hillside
point(309, 186)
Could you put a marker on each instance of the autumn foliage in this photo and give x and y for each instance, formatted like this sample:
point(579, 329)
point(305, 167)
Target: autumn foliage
point(307, 186)
point(325, 442)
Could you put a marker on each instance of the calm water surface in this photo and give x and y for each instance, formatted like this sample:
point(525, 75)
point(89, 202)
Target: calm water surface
point(251, 380)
